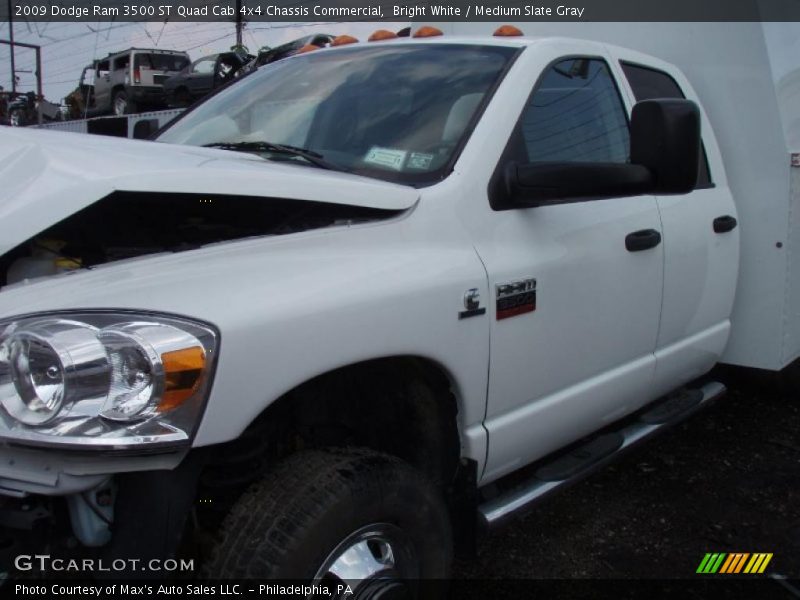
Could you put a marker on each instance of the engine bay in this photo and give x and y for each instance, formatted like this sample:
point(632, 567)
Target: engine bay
point(126, 225)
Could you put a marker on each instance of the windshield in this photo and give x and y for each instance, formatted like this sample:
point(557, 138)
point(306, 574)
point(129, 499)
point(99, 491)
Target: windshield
point(161, 62)
point(394, 112)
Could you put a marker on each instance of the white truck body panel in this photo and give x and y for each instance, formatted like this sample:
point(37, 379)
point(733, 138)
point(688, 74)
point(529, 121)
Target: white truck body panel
point(301, 269)
point(729, 66)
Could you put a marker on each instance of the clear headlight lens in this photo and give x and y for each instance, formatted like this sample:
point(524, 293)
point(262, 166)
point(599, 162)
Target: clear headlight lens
point(104, 379)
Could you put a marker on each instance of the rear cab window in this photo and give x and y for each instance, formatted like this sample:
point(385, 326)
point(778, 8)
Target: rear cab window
point(160, 62)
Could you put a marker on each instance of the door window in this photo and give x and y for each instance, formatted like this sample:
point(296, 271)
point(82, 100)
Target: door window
point(648, 83)
point(122, 62)
point(102, 69)
point(204, 65)
point(575, 115)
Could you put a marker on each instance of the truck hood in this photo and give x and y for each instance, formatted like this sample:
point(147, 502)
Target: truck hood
point(47, 176)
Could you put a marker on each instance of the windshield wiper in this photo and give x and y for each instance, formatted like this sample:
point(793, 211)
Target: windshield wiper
point(314, 158)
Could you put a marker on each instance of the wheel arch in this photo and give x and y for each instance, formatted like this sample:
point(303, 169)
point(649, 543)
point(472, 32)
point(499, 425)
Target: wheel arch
point(407, 406)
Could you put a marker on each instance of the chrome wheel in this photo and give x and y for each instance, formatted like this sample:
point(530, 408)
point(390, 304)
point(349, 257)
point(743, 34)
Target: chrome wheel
point(376, 562)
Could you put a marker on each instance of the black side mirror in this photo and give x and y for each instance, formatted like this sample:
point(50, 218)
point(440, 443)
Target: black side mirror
point(665, 138)
point(534, 184)
point(665, 150)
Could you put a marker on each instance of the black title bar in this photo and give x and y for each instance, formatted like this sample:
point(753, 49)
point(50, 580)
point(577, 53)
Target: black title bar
point(400, 10)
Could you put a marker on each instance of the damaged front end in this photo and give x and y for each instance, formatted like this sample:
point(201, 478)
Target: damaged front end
point(107, 356)
point(98, 407)
point(126, 225)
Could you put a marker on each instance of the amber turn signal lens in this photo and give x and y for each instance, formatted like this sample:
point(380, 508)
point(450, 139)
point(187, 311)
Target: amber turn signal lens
point(508, 31)
point(341, 40)
point(382, 34)
point(427, 31)
point(182, 371)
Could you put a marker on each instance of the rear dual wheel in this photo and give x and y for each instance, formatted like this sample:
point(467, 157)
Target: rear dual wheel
point(363, 524)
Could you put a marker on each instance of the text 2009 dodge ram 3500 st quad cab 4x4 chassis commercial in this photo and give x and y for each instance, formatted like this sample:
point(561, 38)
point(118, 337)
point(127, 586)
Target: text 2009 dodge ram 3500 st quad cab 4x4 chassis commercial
point(339, 299)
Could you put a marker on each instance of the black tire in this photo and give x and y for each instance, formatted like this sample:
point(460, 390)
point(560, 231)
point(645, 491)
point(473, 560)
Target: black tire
point(288, 525)
point(16, 118)
point(181, 98)
point(121, 100)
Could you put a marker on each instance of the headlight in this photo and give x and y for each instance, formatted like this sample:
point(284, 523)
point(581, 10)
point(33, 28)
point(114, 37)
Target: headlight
point(103, 379)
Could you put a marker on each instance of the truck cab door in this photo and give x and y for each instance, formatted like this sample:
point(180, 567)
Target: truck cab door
point(575, 298)
point(201, 77)
point(701, 246)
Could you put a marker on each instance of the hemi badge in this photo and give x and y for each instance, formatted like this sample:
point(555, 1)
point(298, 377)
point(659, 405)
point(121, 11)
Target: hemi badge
point(516, 298)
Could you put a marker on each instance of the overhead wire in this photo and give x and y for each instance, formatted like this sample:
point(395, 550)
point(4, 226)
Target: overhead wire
point(42, 33)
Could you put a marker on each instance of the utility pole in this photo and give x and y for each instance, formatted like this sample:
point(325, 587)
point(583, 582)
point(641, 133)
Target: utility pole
point(11, 39)
point(38, 84)
point(38, 50)
point(239, 23)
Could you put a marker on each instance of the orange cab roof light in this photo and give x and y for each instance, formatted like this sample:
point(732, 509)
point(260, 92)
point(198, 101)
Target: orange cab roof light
point(307, 48)
point(341, 40)
point(382, 34)
point(507, 31)
point(427, 31)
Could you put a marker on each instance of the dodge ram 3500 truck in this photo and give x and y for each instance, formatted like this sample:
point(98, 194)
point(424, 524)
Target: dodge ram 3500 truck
point(350, 310)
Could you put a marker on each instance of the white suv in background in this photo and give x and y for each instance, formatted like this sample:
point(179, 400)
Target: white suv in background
point(127, 80)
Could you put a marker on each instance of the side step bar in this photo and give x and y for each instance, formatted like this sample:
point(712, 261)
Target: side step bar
point(599, 451)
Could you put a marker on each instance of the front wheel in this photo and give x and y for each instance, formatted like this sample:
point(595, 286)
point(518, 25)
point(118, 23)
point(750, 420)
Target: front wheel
point(353, 520)
point(16, 118)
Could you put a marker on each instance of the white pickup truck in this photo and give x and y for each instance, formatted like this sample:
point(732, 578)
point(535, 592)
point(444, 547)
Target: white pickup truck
point(373, 298)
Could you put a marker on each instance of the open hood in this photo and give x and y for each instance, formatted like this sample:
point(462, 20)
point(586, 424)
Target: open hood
point(47, 176)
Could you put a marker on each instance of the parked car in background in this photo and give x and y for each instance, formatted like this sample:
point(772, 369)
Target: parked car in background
point(203, 76)
point(24, 110)
point(80, 101)
point(126, 81)
point(270, 55)
point(4, 100)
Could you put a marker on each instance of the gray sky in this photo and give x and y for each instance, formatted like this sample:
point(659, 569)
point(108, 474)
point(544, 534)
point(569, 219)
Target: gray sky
point(68, 47)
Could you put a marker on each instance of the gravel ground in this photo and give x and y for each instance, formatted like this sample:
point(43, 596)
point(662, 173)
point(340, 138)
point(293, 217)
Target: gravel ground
point(726, 480)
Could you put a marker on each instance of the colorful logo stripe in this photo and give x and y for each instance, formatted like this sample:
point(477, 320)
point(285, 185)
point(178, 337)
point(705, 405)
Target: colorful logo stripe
point(735, 562)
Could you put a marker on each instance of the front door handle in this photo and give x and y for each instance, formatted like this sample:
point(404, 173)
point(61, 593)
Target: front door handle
point(642, 240)
point(724, 224)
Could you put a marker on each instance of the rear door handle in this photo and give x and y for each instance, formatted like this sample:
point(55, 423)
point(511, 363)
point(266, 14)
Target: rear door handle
point(724, 224)
point(642, 240)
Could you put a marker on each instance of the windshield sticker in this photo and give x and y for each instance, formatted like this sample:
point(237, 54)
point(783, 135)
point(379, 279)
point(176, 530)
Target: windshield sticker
point(419, 160)
point(386, 157)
